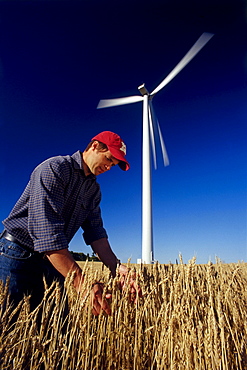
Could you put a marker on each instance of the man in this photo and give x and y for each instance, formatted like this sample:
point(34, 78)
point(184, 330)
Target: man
point(62, 195)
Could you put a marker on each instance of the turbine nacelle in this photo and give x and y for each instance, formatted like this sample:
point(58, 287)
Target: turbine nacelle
point(143, 90)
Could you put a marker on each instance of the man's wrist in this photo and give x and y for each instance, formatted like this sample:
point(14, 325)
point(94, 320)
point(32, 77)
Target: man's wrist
point(114, 267)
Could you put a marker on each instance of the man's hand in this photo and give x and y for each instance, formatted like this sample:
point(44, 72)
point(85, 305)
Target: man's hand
point(128, 278)
point(98, 301)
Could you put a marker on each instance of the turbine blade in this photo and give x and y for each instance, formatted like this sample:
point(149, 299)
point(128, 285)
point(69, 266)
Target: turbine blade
point(163, 147)
point(157, 132)
point(203, 39)
point(105, 103)
point(151, 127)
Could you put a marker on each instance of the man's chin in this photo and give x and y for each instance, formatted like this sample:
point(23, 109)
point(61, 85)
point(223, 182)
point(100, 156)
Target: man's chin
point(98, 171)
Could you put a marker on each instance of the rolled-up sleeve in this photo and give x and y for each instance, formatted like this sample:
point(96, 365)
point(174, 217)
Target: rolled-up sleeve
point(93, 227)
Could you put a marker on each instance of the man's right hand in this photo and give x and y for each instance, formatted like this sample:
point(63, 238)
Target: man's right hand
point(98, 303)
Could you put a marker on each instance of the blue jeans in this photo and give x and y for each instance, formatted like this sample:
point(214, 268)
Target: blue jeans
point(26, 270)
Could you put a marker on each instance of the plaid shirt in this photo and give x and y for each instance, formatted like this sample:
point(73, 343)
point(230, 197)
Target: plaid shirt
point(57, 201)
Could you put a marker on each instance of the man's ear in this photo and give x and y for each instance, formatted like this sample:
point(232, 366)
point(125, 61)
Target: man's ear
point(95, 145)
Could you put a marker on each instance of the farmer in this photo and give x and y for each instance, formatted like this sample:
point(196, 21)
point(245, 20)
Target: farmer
point(61, 196)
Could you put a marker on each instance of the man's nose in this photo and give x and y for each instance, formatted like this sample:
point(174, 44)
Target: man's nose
point(107, 167)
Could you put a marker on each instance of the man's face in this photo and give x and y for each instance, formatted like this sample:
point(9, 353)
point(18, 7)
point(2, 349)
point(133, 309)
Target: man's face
point(99, 161)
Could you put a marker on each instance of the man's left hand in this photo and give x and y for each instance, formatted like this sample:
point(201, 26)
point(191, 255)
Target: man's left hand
point(134, 289)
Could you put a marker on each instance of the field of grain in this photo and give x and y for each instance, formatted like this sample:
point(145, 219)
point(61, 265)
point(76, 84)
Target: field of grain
point(190, 317)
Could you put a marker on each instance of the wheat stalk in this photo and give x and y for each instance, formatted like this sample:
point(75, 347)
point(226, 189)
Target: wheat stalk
point(190, 317)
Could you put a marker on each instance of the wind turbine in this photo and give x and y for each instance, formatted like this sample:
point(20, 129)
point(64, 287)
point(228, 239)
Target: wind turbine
point(149, 124)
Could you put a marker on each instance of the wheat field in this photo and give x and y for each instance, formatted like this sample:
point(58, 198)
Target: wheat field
point(190, 317)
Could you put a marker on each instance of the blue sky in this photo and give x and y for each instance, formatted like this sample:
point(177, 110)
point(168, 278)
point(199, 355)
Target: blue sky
point(59, 58)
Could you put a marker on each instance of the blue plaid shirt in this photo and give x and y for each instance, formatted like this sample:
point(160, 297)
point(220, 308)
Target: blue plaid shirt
point(57, 201)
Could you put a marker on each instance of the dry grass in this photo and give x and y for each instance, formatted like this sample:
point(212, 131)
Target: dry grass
point(190, 317)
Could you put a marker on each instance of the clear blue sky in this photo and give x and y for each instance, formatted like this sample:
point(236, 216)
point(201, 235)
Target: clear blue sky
point(59, 58)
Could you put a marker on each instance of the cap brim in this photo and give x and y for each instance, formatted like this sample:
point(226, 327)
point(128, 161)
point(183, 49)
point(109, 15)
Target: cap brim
point(123, 163)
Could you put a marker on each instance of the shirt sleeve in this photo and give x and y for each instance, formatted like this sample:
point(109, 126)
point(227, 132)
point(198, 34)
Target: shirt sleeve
point(93, 227)
point(45, 223)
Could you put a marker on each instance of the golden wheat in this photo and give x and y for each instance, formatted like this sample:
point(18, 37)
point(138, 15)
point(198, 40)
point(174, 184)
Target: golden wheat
point(190, 317)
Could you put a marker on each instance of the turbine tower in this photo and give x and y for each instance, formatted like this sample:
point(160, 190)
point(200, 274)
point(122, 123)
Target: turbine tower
point(149, 126)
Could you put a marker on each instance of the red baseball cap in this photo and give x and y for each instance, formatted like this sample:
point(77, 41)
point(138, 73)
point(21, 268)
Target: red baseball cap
point(115, 145)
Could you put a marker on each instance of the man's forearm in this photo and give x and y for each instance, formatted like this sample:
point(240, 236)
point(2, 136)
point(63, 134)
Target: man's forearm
point(63, 262)
point(103, 250)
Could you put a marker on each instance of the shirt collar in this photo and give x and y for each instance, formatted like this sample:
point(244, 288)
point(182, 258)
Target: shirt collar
point(77, 163)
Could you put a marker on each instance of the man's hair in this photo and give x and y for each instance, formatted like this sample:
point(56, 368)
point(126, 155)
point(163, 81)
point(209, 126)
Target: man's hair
point(101, 147)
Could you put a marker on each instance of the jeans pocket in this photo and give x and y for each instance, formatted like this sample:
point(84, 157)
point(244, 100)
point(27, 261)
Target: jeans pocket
point(14, 251)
